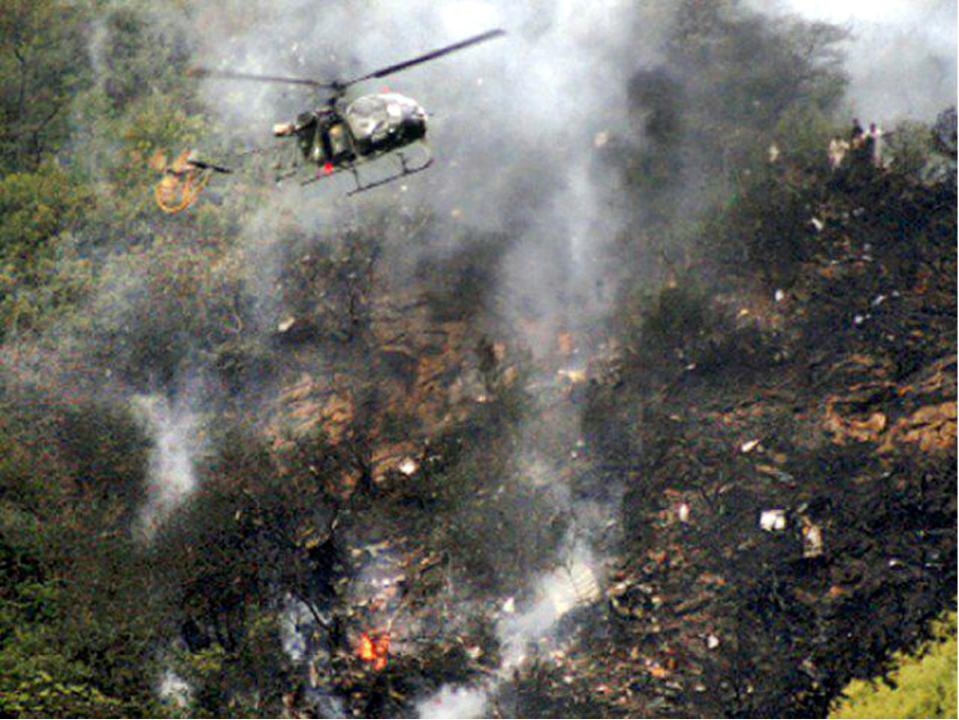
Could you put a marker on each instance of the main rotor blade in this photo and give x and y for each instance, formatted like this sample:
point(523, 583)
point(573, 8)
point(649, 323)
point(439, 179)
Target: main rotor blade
point(228, 75)
point(383, 72)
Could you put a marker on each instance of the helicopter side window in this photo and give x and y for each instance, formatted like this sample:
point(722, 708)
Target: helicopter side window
point(368, 118)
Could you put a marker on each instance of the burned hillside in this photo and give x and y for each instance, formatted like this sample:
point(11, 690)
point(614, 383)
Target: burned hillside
point(636, 403)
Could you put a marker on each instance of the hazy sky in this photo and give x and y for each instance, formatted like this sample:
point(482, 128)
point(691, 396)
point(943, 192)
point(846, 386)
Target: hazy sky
point(902, 59)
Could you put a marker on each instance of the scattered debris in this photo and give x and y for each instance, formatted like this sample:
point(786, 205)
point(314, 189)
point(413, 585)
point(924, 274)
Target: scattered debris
point(812, 546)
point(749, 446)
point(408, 466)
point(773, 520)
point(571, 375)
point(584, 583)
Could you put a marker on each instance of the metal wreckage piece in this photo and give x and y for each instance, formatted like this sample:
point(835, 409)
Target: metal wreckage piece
point(183, 180)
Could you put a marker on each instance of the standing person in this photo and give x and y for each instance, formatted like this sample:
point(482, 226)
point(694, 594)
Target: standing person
point(837, 152)
point(856, 137)
point(876, 134)
point(867, 150)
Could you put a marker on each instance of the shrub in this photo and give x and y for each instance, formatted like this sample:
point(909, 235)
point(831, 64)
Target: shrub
point(923, 684)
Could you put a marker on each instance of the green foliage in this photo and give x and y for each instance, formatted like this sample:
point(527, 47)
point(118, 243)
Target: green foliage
point(752, 72)
point(76, 620)
point(43, 63)
point(41, 268)
point(908, 148)
point(923, 685)
point(802, 134)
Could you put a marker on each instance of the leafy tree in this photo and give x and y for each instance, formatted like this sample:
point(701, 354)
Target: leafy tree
point(40, 269)
point(76, 616)
point(922, 685)
point(43, 63)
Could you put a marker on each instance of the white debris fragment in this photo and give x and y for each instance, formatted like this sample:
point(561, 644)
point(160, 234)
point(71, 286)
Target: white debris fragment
point(286, 324)
point(859, 319)
point(174, 689)
point(682, 512)
point(879, 300)
point(408, 466)
point(572, 375)
point(749, 446)
point(509, 607)
point(773, 520)
point(818, 224)
point(780, 296)
point(600, 139)
point(584, 583)
point(812, 545)
point(712, 642)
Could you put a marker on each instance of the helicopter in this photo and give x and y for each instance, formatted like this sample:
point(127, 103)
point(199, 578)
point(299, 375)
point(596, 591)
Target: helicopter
point(337, 136)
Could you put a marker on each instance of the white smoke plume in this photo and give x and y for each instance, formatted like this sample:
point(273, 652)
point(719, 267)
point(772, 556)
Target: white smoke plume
point(174, 429)
point(524, 634)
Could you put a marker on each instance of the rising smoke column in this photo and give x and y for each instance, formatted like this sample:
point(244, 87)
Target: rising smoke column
point(174, 429)
point(573, 583)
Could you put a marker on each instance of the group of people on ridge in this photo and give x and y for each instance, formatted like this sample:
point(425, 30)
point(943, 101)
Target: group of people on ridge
point(864, 148)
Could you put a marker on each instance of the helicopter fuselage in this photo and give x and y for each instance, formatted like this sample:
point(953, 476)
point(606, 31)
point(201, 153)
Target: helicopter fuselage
point(342, 135)
point(369, 126)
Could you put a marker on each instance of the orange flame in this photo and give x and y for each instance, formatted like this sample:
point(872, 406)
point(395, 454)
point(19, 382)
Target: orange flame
point(374, 649)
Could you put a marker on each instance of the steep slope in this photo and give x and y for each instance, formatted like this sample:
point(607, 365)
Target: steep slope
point(832, 406)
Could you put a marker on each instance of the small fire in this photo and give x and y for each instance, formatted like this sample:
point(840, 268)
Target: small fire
point(374, 649)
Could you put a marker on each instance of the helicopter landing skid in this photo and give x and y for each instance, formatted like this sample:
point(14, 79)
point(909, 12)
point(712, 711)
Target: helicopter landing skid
point(405, 170)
